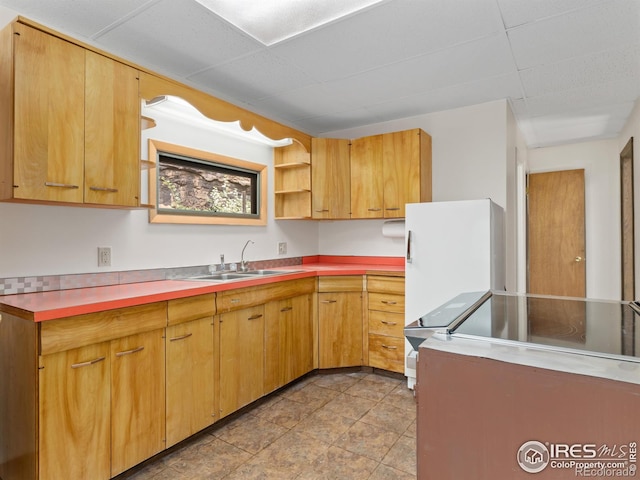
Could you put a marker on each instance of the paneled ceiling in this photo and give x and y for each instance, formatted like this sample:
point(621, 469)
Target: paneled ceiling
point(569, 68)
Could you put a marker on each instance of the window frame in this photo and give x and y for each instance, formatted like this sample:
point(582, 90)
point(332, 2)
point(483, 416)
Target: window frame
point(200, 156)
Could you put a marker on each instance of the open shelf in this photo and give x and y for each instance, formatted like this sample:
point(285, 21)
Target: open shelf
point(292, 179)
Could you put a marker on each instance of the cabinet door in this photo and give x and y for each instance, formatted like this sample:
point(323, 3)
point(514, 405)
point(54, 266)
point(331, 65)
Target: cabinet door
point(367, 181)
point(330, 190)
point(340, 329)
point(74, 414)
point(190, 378)
point(48, 117)
point(401, 166)
point(137, 399)
point(288, 341)
point(241, 358)
point(112, 133)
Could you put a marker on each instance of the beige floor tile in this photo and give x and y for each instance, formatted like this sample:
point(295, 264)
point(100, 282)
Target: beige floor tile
point(349, 406)
point(370, 390)
point(367, 440)
point(384, 472)
point(339, 382)
point(287, 413)
point(401, 397)
point(311, 395)
point(402, 456)
point(411, 431)
point(293, 452)
point(253, 434)
point(338, 463)
point(389, 417)
point(324, 426)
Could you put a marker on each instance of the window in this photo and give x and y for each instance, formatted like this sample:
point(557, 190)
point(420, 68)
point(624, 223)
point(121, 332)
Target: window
point(192, 186)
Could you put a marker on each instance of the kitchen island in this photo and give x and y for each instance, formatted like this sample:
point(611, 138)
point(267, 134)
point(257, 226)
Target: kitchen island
point(531, 385)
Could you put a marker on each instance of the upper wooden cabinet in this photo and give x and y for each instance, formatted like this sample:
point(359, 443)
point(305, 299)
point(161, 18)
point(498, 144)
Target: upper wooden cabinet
point(389, 171)
point(330, 176)
point(69, 122)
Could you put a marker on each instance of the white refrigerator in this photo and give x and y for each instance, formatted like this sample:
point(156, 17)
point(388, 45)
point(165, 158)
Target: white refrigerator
point(451, 248)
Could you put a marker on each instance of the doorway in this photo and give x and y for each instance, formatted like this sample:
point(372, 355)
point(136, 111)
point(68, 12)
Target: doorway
point(556, 233)
point(627, 257)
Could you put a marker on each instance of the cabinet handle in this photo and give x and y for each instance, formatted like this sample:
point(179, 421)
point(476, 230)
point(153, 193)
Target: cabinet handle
point(86, 364)
point(254, 317)
point(104, 189)
point(389, 347)
point(323, 210)
point(409, 257)
point(129, 352)
point(328, 301)
point(374, 209)
point(60, 185)
point(393, 208)
point(181, 337)
point(389, 302)
point(286, 309)
point(387, 322)
point(235, 300)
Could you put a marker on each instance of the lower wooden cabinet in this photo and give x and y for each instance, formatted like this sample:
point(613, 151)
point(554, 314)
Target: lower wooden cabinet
point(74, 414)
point(288, 341)
point(241, 358)
point(137, 399)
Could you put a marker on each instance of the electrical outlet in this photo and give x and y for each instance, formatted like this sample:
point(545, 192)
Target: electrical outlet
point(104, 256)
point(282, 248)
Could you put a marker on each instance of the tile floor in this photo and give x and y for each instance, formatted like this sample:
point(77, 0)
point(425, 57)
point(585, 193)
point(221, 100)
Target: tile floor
point(345, 426)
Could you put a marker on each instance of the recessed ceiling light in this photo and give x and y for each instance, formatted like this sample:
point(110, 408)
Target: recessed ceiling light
point(271, 21)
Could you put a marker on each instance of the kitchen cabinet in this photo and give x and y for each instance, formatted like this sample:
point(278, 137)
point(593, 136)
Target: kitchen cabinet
point(137, 399)
point(292, 181)
point(389, 171)
point(330, 178)
point(385, 304)
point(191, 360)
point(340, 329)
point(241, 358)
point(288, 340)
point(70, 122)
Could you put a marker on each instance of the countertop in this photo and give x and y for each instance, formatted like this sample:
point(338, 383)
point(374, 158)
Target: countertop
point(42, 306)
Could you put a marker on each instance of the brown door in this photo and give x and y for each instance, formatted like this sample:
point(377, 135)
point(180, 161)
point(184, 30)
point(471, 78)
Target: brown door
point(626, 221)
point(556, 233)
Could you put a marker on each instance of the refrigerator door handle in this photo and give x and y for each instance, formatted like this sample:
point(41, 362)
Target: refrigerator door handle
point(409, 258)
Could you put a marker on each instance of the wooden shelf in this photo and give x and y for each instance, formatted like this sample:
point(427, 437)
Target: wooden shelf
point(293, 165)
point(146, 122)
point(147, 165)
point(292, 170)
point(301, 190)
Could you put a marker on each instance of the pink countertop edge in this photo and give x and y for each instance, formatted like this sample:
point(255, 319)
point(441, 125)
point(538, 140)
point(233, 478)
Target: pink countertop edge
point(42, 306)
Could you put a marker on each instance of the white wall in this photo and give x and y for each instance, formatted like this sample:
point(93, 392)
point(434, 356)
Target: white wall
point(600, 159)
point(632, 129)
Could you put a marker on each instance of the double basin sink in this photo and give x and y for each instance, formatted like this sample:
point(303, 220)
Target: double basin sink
point(236, 276)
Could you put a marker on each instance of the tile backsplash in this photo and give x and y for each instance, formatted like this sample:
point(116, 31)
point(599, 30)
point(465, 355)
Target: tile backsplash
point(14, 285)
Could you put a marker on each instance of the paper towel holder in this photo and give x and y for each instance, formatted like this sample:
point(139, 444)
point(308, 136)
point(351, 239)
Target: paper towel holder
point(393, 228)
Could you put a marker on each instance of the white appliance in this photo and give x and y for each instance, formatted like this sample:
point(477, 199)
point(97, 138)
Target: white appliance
point(451, 247)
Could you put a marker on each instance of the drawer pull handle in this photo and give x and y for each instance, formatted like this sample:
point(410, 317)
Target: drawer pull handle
point(389, 302)
point(104, 189)
point(328, 301)
point(286, 309)
point(129, 352)
point(254, 317)
point(393, 208)
point(387, 322)
point(60, 185)
point(322, 211)
point(374, 209)
point(235, 300)
point(389, 347)
point(181, 337)
point(86, 364)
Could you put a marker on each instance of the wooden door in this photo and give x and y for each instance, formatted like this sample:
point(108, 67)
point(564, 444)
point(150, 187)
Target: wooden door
point(137, 399)
point(74, 414)
point(627, 223)
point(190, 378)
point(241, 358)
point(367, 183)
point(48, 117)
point(112, 133)
point(330, 190)
point(556, 233)
point(340, 329)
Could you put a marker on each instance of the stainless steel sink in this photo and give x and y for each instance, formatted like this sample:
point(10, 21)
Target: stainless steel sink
point(235, 276)
point(261, 273)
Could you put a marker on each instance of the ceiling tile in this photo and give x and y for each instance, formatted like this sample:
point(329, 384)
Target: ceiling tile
point(581, 32)
point(519, 12)
point(580, 72)
point(389, 33)
point(199, 40)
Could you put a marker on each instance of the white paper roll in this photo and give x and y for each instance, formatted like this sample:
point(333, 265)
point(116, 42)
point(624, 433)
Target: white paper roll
point(393, 229)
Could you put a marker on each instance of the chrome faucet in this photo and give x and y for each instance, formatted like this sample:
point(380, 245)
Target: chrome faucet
point(244, 266)
point(222, 267)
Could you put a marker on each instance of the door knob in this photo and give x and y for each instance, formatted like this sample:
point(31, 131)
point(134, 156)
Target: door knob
point(578, 259)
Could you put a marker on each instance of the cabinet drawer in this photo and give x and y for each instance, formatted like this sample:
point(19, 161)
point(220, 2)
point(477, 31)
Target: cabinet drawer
point(250, 296)
point(191, 308)
point(81, 330)
point(340, 283)
point(386, 352)
point(382, 284)
point(385, 323)
point(386, 302)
